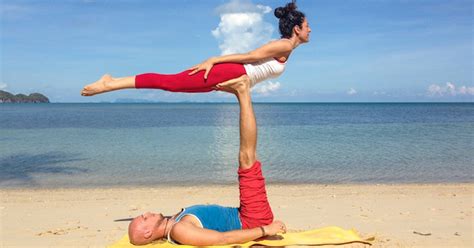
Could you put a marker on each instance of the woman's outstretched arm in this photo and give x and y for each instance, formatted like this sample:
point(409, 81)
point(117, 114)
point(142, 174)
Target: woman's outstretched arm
point(273, 49)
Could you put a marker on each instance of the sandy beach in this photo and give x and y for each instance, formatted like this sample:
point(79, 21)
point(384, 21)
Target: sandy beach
point(409, 215)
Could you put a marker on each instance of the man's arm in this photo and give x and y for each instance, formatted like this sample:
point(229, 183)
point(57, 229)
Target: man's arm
point(187, 233)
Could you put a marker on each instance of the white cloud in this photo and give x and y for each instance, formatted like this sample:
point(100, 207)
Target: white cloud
point(3, 86)
point(266, 88)
point(242, 6)
point(242, 28)
point(449, 89)
point(264, 9)
point(379, 93)
point(463, 90)
point(224, 94)
point(351, 91)
point(435, 90)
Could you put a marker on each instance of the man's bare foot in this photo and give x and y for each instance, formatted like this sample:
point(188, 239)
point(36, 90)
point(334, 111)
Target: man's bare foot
point(236, 85)
point(99, 86)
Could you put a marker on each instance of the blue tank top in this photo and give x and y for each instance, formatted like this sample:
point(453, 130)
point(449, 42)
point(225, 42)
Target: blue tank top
point(214, 217)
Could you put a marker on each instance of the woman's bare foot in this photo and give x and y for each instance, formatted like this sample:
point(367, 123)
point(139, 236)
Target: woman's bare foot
point(99, 86)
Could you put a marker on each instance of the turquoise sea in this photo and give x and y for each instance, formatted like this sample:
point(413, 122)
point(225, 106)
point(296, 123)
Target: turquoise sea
point(94, 145)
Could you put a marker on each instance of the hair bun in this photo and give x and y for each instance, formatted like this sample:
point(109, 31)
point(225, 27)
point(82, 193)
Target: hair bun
point(291, 6)
point(281, 12)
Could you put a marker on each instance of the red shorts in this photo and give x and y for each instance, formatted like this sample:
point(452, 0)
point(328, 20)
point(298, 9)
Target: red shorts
point(182, 82)
point(254, 208)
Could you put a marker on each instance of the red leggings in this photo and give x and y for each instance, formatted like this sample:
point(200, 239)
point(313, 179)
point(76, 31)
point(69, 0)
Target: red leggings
point(182, 82)
point(254, 208)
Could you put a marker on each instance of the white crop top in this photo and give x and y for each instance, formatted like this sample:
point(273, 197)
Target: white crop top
point(263, 70)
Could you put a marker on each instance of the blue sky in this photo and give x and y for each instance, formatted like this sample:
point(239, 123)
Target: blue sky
point(360, 50)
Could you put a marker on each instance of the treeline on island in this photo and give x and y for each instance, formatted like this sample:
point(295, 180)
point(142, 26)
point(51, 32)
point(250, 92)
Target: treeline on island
point(7, 97)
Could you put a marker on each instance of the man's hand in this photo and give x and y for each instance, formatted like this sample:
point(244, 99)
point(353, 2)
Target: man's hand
point(274, 228)
point(206, 65)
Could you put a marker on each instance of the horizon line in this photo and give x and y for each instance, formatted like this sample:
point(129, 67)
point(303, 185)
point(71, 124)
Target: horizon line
point(207, 102)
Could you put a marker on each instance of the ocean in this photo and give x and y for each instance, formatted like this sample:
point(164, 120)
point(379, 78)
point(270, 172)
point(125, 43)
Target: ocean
point(107, 145)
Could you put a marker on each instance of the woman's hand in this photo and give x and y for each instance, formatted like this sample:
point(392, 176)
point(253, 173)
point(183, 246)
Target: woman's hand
point(206, 65)
point(274, 228)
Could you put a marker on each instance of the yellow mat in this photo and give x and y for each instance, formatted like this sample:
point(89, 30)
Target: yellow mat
point(323, 236)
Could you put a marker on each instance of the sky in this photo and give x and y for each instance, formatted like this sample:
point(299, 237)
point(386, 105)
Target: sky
point(359, 50)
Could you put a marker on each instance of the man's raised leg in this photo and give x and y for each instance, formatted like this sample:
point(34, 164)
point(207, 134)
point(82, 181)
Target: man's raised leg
point(255, 210)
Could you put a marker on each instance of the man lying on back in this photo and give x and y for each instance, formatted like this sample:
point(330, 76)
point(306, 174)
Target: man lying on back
point(203, 225)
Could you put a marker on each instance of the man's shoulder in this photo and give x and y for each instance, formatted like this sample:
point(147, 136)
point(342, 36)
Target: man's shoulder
point(181, 230)
point(190, 219)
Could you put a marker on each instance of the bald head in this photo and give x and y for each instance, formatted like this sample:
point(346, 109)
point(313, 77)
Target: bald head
point(144, 228)
point(136, 232)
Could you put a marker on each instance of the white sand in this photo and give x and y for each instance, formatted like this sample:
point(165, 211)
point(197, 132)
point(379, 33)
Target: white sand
point(391, 213)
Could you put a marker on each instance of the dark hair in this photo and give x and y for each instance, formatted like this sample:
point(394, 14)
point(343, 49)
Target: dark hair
point(289, 18)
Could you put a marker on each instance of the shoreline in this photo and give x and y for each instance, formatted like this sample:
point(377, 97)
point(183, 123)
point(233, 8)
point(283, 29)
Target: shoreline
point(218, 185)
point(401, 215)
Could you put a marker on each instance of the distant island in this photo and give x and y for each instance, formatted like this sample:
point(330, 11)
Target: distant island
point(7, 97)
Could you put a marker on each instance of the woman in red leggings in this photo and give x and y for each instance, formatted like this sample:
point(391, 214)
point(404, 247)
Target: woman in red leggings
point(263, 63)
